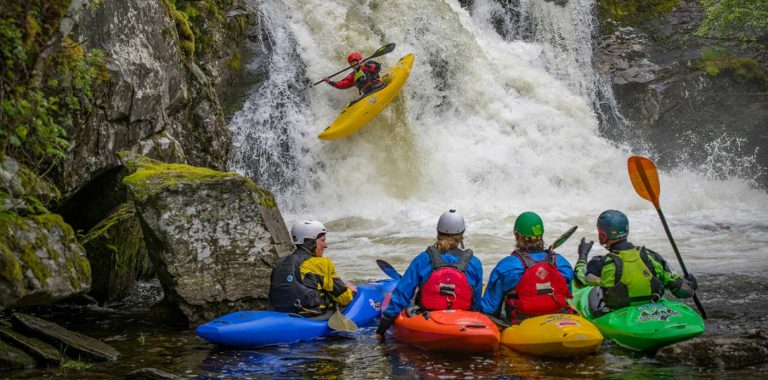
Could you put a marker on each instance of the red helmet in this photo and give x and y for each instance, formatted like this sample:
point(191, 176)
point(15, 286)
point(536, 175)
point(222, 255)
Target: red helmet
point(354, 57)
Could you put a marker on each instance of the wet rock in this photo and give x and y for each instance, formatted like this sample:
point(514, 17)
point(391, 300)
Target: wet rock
point(73, 345)
point(154, 101)
point(40, 260)
point(150, 374)
point(14, 358)
point(707, 112)
point(213, 236)
point(718, 352)
point(40, 350)
point(117, 253)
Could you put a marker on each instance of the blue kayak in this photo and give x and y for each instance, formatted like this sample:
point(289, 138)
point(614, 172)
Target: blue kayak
point(248, 329)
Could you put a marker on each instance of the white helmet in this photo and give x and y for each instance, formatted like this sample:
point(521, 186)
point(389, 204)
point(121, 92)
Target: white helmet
point(451, 223)
point(308, 229)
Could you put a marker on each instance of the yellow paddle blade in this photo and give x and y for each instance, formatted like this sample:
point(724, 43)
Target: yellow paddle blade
point(340, 322)
point(645, 178)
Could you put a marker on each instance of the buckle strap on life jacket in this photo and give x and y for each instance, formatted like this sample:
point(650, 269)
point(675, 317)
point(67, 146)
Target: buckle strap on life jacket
point(529, 261)
point(436, 259)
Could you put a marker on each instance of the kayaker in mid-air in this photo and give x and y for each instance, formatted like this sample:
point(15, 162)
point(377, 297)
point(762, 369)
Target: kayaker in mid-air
point(531, 281)
point(627, 275)
point(305, 282)
point(446, 275)
point(365, 75)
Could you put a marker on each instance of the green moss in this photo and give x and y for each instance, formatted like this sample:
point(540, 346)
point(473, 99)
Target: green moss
point(10, 269)
point(99, 229)
point(716, 61)
point(153, 176)
point(266, 198)
point(236, 62)
point(631, 12)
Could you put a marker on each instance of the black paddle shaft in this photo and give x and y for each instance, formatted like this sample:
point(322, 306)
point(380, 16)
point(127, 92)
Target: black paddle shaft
point(378, 53)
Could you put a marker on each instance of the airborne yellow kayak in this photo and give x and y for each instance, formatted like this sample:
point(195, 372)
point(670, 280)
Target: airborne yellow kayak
point(556, 335)
point(362, 110)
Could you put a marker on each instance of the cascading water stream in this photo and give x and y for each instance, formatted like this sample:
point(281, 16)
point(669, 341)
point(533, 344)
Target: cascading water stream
point(485, 124)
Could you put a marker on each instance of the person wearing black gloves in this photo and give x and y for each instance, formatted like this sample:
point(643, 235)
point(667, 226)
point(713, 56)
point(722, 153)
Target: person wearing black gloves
point(627, 275)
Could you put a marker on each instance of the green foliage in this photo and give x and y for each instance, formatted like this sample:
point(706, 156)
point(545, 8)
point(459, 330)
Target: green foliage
point(633, 11)
point(715, 61)
point(43, 94)
point(746, 20)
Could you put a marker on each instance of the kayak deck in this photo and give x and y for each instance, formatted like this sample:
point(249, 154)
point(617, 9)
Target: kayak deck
point(556, 335)
point(643, 327)
point(250, 329)
point(448, 330)
point(361, 111)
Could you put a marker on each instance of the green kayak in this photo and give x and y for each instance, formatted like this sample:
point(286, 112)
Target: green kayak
point(644, 327)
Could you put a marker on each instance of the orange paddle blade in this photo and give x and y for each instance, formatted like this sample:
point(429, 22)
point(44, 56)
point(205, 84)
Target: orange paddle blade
point(645, 178)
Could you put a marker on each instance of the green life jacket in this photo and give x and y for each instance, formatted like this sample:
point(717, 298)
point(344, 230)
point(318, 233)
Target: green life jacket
point(635, 280)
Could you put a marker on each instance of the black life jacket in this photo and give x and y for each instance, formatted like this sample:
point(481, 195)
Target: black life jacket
point(646, 286)
point(287, 293)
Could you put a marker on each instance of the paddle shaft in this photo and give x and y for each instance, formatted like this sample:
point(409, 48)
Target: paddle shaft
point(655, 201)
point(381, 51)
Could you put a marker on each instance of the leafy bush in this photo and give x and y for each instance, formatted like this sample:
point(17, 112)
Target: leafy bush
point(46, 82)
point(744, 19)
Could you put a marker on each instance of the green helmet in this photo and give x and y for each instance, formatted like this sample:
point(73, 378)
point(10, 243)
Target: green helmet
point(529, 224)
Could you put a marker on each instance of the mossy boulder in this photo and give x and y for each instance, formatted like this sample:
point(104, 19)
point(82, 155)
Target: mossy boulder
point(213, 236)
point(40, 260)
point(23, 191)
point(118, 256)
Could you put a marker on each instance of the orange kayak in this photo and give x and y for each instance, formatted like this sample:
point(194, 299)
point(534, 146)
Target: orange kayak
point(448, 330)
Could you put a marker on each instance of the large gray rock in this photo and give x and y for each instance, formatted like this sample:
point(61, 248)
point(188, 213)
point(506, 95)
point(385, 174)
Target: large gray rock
point(213, 236)
point(155, 102)
point(40, 260)
point(74, 345)
point(117, 253)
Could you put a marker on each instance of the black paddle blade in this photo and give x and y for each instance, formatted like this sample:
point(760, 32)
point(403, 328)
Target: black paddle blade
point(563, 238)
point(388, 269)
point(386, 49)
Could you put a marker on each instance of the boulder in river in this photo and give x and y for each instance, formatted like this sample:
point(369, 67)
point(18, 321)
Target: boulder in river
point(213, 236)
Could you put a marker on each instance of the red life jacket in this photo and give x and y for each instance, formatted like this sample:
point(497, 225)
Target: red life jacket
point(541, 290)
point(447, 286)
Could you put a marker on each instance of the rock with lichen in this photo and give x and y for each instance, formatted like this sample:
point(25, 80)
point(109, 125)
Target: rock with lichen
point(118, 256)
point(213, 236)
point(40, 260)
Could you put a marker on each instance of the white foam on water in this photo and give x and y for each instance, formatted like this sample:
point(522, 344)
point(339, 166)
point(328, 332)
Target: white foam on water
point(487, 126)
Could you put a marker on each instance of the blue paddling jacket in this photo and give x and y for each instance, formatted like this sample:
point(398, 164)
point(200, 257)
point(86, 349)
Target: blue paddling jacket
point(417, 274)
point(506, 275)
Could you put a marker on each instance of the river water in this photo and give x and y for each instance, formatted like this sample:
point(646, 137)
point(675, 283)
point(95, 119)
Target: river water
point(491, 124)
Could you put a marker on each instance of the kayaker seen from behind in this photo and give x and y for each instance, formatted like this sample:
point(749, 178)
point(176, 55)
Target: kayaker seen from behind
point(446, 275)
point(627, 275)
point(305, 282)
point(530, 281)
point(365, 75)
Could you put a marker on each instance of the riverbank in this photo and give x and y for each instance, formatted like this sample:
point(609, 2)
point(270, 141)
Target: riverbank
point(148, 336)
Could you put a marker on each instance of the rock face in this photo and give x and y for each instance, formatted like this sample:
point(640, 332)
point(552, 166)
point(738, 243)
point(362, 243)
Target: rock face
point(116, 247)
point(213, 236)
point(40, 260)
point(155, 103)
point(681, 98)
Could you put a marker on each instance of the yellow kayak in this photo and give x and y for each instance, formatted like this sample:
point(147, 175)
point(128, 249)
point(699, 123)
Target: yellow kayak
point(556, 335)
point(362, 110)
